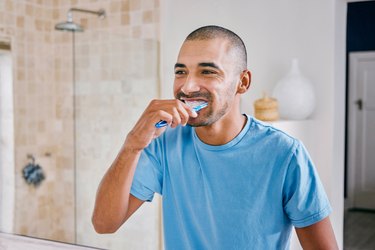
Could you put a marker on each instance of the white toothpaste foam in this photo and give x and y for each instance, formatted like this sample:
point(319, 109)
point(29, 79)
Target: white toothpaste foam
point(194, 104)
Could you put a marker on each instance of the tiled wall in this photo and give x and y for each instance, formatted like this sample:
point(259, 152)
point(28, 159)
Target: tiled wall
point(75, 129)
point(43, 123)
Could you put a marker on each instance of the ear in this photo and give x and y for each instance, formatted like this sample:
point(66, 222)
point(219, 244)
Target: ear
point(245, 82)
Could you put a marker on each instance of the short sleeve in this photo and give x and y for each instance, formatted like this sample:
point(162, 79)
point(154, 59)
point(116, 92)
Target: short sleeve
point(148, 176)
point(304, 199)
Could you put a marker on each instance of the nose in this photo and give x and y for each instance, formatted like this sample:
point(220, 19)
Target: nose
point(190, 85)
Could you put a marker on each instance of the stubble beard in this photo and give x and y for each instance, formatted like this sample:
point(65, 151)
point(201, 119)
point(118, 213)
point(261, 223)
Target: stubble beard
point(208, 118)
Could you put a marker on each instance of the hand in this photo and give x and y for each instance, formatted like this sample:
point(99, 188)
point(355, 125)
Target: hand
point(174, 112)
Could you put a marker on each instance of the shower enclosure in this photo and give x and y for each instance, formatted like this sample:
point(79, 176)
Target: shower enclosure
point(114, 76)
point(70, 26)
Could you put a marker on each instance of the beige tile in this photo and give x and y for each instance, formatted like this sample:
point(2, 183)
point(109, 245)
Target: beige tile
point(29, 10)
point(48, 26)
point(135, 5)
point(125, 19)
point(20, 61)
point(39, 24)
point(115, 6)
point(149, 4)
point(55, 14)
point(9, 6)
point(115, 20)
point(84, 22)
point(148, 16)
point(38, 12)
point(20, 75)
point(47, 38)
point(55, 3)
point(20, 22)
point(125, 6)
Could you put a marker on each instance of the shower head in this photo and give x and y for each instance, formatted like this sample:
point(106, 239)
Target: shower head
point(74, 27)
point(69, 26)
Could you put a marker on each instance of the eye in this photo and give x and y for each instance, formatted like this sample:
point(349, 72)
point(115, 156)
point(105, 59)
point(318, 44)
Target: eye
point(179, 72)
point(208, 72)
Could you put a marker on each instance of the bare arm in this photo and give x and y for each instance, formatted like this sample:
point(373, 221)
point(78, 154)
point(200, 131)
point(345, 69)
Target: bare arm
point(114, 204)
point(319, 236)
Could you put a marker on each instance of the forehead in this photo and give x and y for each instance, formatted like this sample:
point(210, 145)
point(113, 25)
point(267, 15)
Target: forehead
point(211, 50)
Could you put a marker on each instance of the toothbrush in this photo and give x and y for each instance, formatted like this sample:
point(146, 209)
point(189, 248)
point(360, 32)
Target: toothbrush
point(162, 123)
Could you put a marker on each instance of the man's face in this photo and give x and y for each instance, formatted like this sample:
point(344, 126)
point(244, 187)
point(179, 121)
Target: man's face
point(206, 70)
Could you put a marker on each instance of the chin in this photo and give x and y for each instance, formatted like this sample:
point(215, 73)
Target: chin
point(203, 119)
point(195, 122)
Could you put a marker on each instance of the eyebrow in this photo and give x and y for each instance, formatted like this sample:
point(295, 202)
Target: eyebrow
point(203, 64)
point(179, 65)
point(209, 64)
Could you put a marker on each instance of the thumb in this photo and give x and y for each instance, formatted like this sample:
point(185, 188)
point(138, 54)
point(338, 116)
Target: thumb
point(158, 132)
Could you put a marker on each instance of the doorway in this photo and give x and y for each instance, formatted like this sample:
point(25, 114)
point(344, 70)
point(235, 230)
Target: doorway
point(360, 39)
point(359, 215)
point(361, 132)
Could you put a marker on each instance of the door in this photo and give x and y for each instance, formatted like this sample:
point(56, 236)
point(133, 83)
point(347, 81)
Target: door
point(362, 130)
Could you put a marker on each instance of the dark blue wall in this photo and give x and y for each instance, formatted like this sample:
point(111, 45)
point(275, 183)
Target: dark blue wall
point(360, 34)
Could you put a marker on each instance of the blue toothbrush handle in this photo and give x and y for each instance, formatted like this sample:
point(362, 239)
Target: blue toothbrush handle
point(162, 123)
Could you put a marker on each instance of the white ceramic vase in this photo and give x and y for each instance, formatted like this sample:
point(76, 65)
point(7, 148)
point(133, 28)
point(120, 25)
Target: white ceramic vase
point(295, 95)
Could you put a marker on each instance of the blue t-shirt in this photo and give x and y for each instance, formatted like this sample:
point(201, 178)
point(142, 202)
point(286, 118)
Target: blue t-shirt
point(245, 194)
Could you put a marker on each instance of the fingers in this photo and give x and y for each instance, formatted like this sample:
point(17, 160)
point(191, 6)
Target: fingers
point(174, 112)
point(162, 115)
point(185, 112)
point(181, 114)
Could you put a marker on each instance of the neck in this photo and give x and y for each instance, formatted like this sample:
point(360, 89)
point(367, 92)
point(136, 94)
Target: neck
point(224, 130)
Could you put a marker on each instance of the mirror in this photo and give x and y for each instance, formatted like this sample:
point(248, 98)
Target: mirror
point(57, 96)
point(68, 99)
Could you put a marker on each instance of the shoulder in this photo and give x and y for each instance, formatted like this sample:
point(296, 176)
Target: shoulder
point(269, 136)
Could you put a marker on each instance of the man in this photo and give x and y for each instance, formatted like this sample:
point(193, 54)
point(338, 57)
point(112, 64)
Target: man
point(227, 180)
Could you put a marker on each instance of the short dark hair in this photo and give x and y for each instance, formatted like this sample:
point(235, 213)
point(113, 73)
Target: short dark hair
point(213, 31)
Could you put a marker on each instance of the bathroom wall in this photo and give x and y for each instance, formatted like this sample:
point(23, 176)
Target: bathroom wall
point(75, 130)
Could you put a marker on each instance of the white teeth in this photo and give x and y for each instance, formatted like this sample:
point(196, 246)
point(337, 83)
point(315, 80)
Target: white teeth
point(193, 104)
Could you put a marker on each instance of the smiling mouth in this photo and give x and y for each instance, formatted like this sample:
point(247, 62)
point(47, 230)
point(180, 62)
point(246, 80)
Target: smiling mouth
point(195, 103)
